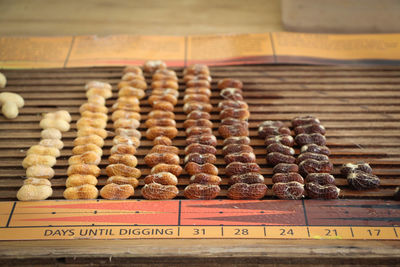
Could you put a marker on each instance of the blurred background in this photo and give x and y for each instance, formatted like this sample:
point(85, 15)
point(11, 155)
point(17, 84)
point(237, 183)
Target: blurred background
point(180, 17)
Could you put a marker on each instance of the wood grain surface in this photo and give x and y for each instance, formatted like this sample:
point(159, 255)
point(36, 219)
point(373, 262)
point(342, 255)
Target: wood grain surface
point(359, 106)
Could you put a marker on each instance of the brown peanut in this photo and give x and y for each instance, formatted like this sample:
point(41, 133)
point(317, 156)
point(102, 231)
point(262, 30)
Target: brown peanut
point(155, 191)
point(305, 139)
point(164, 178)
point(205, 178)
point(199, 148)
point(233, 130)
point(192, 168)
point(236, 148)
point(80, 179)
point(291, 190)
point(285, 167)
point(198, 131)
point(315, 149)
point(163, 105)
point(230, 83)
point(165, 76)
point(310, 129)
point(238, 113)
point(164, 92)
point(160, 122)
point(159, 114)
point(201, 191)
point(119, 169)
point(126, 159)
point(275, 158)
point(133, 69)
point(162, 140)
point(240, 157)
point(309, 155)
point(164, 149)
point(198, 83)
point(287, 177)
point(362, 180)
point(234, 121)
point(191, 106)
point(119, 105)
point(304, 120)
point(196, 69)
point(153, 159)
point(278, 147)
point(198, 90)
point(163, 167)
point(264, 131)
point(313, 166)
point(237, 104)
point(247, 191)
point(235, 168)
point(165, 84)
point(318, 191)
point(190, 77)
point(286, 140)
point(168, 131)
point(238, 140)
point(197, 115)
point(232, 94)
point(116, 191)
point(197, 122)
point(347, 168)
point(196, 98)
point(129, 76)
point(320, 178)
point(200, 158)
point(207, 139)
point(247, 178)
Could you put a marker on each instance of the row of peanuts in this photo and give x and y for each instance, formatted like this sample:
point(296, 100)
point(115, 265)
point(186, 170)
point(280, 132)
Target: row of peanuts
point(201, 144)
point(41, 158)
point(83, 167)
point(313, 160)
point(163, 158)
point(121, 171)
point(244, 173)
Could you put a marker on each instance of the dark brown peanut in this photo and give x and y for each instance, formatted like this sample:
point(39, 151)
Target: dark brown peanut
point(350, 167)
point(275, 158)
point(123, 149)
point(122, 170)
point(232, 104)
point(396, 194)
point(315, 149)
point(207, 139)
point(196, 98)
point(236, 168)
point(200, 158)
point(231, 94)
point(238, 140)
point(234, 121)
point(116, 191)
point(164, 178)
point(276, 124)
point(197, 122)
point(159, 114)
point(287, 177)
point(361, 180)
point(230, 83)
point(192, 168)
point(309, 129)
point(305, 139)
point(198, 130)
point(164, 149)
point(153, 132)
point(278, 147)
point(264, 131)
point(286, 140)
point(169, 98)
point(205, 178)
point(309, 155)
point(314, 166)
point(320, 178)
point(162, 140)
point(199, 148)
point(153, 159)
point(198, 90)
point(247, 178)
point(196, 69)
point(198, 115)
point(291, 190)
point(317, 191)
point(156, 191)
point(238, 113)
point(233, 130)
point(201, 191)
point(233, 148)
point(160, 122)
point(285, 167)
point(304, 120)
point(163, 167)
point(129, 160)
point(240, 157)
point(247, 191)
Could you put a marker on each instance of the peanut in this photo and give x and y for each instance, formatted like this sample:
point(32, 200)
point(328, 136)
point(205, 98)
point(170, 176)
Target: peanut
point(197, 123)
point(205, 178)
point(124, 114)
point(200, 158)
point(33, 159)
point(233, 130)
point(123, 180)
point(199, 148)
point(230, 83)
point(247, 191)
point(304, 120)
point(80, 179)
point(237, 104)
point(238, 113)
point(59, 124)
point(198, 83)
point(167, 97)
point(126, 159)
point(313, 166)
point(140, 84)
point(98, 91)
point(59, 115)
point(320, 178)
point(86, 191)
point(89, 169)
point(40, 171)
point(89, 157)
point(153, 159)
point(287, 177)
point(116, 191)
point(236, 168)
point(54, 143)
point(128, 133)
point(77, 150)
point(348, 168)
point(123, 149)
point(50, 133)
point(285, 139)
point(86, 131)
point(164, 149)
point(97, 84)
point(232, 94)
point(160, 114)
point(93, 108)
point(163, 167)
point(192, 168)
point(196, 69)
point(198, 131)
point(164, 178)
point(362, 180)
point(158, 191)
point(310, 129)
point(130, 91)
point(315, 149)
point(11, 103)
point(97, 99)
point(153, 132)
point(119, 169)
point(3, 80)
point(191, 106)
point(315, 190)
point(160, 122)
point(291, 190)
point(238, 140)
point(247, 178)
point(90, 139)
point(198, 90)
point(309, 155)
point(196, 98)
point(201, 191)
point(152, 65)
point(133, 69)
point(315, 138)
point(43, 150)
point(198, 114)
point(30, 192)
point(162, 140)
point(245, 157)
point(207, 139)
point(275, 158)
point(278, 147)
point(285, 167)
point(190, 77)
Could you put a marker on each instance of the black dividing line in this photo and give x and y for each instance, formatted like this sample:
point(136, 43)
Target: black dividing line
point(308, 232)
point(179, 212)
point(265, 231)
point(222, 230)
point(351, 230)
point(395, 232)
point(305, 212)
point(11, 213)
point(273, 47)
point(69, 51)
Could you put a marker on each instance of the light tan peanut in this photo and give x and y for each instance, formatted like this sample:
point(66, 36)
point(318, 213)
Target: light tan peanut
point(116, 191)
point(140, 84)
point(56, 143)
point(164, 84)
point(97, 84)
point(61, 125)
point(83, 169)
point(127, 159)
point(155, 191)
point(59, 115)
point(80, 179)
point(196, 69)
point(133, 100)
point(126, 123)
point(196, 98)
point(31, 160)
point(133, 69)
point(153, 159)
point(230, 83)
point(30, 192)
point(160, 122)
point(164, 92)
point(86, 191)
point(125, 106)
point(94, 115)
point(77, 150)
point(128, 132)
point(106, 93)
point(50, 133)
point(164, 149)
point(97, 99)
point(37, 181)
point(164, 178)
point(93, 108)
point(151, 66)
point(163, 167)
point(122, 170)
point(190, 77)
point(11, 102)
point(89, 157)
point(90, 139)
point(40, 171)
point(3, 80)
point(126, 140)
point(43, 150)
point(89, 122)
point(162, 140)
point(153, 132)
point(86, 131)
point(123, 180)
point(123, 149)
point(163, 105)
point(130, 91)
point(168, 97)
point(124, 114)
point(163, 72)
point(160, 114)
point(129, 76)
point(201, 191)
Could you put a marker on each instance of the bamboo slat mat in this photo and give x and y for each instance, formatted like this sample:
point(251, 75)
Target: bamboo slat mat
point(359, 106)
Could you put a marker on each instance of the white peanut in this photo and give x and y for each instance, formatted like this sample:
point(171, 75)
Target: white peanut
point(3, 80)
point(11, 103)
